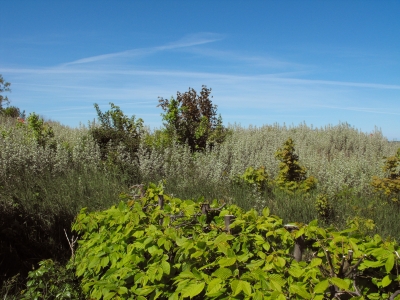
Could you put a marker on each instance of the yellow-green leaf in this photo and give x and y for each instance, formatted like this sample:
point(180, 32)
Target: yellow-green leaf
point(321, 287)
point(193, 289)
point(165, 267)
point(340, 283)
point(227, 261)
point(214, 286)
point(299, 290)
point(386, 281)
point(222, 273)
point(389, 263)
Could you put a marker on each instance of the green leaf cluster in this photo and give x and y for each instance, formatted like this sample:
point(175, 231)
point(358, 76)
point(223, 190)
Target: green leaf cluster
point(52, 281)
point(292, 176)
point(258, 177)
point(389, 185)
point(192, 119)
point(137, 250)
point(115, 128)
point(42, 131)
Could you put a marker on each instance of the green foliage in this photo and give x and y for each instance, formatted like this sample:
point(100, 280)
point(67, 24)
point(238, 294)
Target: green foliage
point(4, 87)
point(118, 138)
point(13, 112)
point(193, 119)
point(292, 176)
point(324, 207)
point(160, 139)
point(390, 185)
point(116, 129)
point(42, 132)
point(137, 250)
point(52, 281)
point(257, 177)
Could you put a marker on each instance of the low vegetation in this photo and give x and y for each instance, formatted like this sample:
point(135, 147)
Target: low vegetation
point(49, 172)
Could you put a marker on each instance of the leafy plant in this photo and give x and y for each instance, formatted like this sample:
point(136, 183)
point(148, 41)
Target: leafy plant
point(193, 119)
point(324, 207)
point(52, 281)
point(42, 132)
point(292, 176)
point(147, 249)
point(4, 87)
point(116, 129)
point(257, 177)
point(12, 112)
point(390, 185)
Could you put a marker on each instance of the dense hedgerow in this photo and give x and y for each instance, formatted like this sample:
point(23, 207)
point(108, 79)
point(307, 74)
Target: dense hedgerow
point(141, 250)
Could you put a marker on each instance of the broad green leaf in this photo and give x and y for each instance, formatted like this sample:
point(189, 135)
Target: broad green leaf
point(122, 290)
point(296, 271)
point(321, 287)
point(255, 264)
point(104, 261)
point(144, 291)
point(266, 246)
point(246, 287)
point(265, 212)
point(275, 284)
point(389, 263)
point(165, 267)
point(193, 289)
point(315, 262)
point(279, 261)
point(236, 287)
point(214, 286)
point(197, 254)
point(197, 274)
point(340, 283)
point(372, 264)
point(277, 295)
point(227, 261)
point(108, 295)
point(222, 238)
point(222, 273)
point(386, 281)
point(300, 290)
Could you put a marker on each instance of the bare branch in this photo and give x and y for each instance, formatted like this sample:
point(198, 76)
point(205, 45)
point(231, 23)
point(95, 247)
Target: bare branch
point(353, 268)
point(394, 295)
point(329, 259)
point(71, 242)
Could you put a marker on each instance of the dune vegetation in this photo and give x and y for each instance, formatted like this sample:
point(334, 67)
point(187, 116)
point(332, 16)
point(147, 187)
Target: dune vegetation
point(337, 174)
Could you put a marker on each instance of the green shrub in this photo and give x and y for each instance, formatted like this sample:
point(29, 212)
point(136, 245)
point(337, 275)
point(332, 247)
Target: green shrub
point(389, 185)
point(12, 112)
point(116, 129)
point(52, 281)
point(42, 132)
point(193, 120)
point(324, 207)
point(292, 176)
point(258, 177)
point(138, 250)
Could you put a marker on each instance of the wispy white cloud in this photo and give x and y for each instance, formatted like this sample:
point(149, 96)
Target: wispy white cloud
point(361, 109)
point(187, 41)
point(279, 77)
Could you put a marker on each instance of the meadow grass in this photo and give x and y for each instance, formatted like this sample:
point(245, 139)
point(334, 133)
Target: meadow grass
point(42, 188)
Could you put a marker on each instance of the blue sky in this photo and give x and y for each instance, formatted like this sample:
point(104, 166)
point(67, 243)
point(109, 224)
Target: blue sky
point(319, 62)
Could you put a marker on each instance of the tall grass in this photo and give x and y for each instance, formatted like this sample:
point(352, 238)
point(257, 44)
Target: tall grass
point(342, 158)
point(43, 188)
